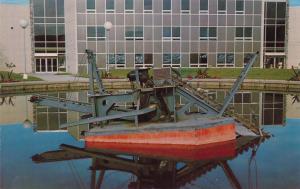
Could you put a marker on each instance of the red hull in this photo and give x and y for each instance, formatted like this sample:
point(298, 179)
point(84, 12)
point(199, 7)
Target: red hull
point(195, 136)
point(221, 150)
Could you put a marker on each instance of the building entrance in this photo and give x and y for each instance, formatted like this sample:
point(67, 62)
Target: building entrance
point(46, 65)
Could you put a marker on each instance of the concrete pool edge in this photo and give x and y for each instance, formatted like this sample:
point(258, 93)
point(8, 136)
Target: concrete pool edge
point(119, 84)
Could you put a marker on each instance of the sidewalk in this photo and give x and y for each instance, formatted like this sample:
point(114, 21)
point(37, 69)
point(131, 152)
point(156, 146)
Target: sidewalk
point(57, 78)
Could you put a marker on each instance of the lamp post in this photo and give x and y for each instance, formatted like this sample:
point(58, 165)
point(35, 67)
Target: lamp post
point(24, 23)
point(107, 25)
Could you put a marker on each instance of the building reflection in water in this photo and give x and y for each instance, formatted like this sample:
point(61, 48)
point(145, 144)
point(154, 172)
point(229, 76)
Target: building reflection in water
point(158, 167)
point(258, 107)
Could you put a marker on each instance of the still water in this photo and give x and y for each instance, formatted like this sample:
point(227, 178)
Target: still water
point(34, 153)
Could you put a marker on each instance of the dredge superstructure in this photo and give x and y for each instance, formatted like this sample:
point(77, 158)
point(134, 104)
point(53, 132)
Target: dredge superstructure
point(154, 114)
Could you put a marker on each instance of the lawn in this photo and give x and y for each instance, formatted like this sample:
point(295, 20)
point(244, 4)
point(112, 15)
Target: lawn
point(222, 73)
point(15, 77)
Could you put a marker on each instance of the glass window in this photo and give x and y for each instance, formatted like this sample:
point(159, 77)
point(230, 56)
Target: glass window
point(167, 5)
point(172, 60)
point(185, 5)
point(239, 6)
point(139, 59)
point(38, 8)
point(91, 32)
point(281, 9)
point(194, 58)
point(167, 32)
point(212, 32)
point(90, 4)
point(221, 58)
point(208, 33)
point(203, 59)
point(129, 5)
point(39, 32)
point(50, 32)
point(167, 59)
point(120, 59)
point(203, 5)
point(248, 32)
point(60, 8)
point(176, 32)
point(271, 9)
point(204, 32)
point(129, 33)
point(230, 58)
point(111, 59)
point(110, 5)
point(60, 32)
point(148, 5)
point(51, 9)
point(139, 33)
point(247, 58)
point(148, 59)
point(239, 32)
point(101, 33)
point(222, 5)
point(175, 59)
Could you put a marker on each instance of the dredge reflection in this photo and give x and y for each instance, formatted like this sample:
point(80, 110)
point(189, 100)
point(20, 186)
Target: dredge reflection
point(157, 166)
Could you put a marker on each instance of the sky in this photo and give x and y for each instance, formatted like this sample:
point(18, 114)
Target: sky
point(292, 2)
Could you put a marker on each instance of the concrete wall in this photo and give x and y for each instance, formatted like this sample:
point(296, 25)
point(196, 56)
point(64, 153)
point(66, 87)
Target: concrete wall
point(294, 37)
point(71, 36)
point(12, 38)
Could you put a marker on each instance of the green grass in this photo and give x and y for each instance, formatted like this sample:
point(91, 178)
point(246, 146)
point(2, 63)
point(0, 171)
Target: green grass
point(63, 73)
point(222, 73)
point(18, 77)
point(232, 73)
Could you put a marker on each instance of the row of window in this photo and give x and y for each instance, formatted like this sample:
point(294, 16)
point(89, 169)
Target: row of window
point(174, 60)
point(168, 33)
point(167, 6)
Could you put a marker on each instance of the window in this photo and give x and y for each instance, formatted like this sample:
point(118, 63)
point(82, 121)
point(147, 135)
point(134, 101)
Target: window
point(38, 8)
point(100, 33)
point(148, 60)
point(198, 60)
point(139, 33)
point(239, 7)
point(247, 58)
point(225, 59)
point(60, 8)
point(95, 33)
point(116, 60)
point(222, 6)
point(129, 6)
point(208, 33)
point(171, 60)
point(166, 5)
point(185, 6)
point(132, 33)
point(110, 6)
point(147, 5)
point(171, 33)
point(90, 5)
point(243, 33)
point(203, 6)
point(139, 60)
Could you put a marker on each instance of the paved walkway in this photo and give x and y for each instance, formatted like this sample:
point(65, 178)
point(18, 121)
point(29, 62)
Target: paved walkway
point(56, 78)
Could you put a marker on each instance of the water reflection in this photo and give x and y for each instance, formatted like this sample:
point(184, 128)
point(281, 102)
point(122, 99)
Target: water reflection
point(156, 166)
point(258, 107)
point(239, 164)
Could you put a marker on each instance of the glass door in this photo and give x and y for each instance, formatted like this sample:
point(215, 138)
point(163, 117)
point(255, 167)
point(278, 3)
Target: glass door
point(46, 65)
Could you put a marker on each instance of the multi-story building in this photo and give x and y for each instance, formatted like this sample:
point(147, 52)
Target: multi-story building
point(159, 33)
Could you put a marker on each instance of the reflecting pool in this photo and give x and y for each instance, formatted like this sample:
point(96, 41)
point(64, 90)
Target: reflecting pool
point(36, 154)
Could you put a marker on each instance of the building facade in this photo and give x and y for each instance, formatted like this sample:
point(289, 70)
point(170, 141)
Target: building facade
point(158, 33)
